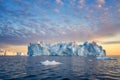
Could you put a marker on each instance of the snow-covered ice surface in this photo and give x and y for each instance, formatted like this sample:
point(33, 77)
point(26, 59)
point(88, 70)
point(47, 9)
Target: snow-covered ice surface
point(66, 49)
point(47, 63)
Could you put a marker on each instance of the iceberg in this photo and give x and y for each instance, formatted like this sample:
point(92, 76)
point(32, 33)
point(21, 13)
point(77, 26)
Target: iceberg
point(47, 63)
point(66, 49)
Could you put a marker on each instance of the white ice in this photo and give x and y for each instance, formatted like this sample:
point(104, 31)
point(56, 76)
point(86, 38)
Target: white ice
point(47, 62)
point(66, 49)
point(105, 58)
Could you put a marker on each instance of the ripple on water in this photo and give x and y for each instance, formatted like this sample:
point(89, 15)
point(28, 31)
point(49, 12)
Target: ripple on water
point(65, 79)
point(73, 68)
point(30, 76)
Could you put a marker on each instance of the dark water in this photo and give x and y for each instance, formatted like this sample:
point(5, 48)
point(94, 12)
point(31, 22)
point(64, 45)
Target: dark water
point(73, 68)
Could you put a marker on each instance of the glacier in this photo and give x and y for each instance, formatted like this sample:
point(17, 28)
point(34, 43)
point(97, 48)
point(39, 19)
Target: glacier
point(66, 49)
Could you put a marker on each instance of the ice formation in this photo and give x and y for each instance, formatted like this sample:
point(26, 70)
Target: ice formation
point(66, 49)
point(105, 58)
point(47, 62)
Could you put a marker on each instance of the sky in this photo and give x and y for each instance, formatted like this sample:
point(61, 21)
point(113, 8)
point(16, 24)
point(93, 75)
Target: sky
point(25, 21)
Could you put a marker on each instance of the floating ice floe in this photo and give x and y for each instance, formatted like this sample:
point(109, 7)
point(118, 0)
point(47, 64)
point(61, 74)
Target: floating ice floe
point(105, 58)
point(47, 62)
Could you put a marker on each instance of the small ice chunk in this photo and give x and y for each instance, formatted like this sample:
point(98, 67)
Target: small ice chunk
point(47, 62)
point(105, 58)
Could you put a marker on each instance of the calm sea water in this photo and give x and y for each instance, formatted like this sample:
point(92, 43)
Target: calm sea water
point(73, 68)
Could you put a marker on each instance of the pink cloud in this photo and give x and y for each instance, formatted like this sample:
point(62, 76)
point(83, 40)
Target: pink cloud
point(98, 6)
point(79, 7)
point(101, 1)
point(56, 11)
point(60, 2)
point(81, 1)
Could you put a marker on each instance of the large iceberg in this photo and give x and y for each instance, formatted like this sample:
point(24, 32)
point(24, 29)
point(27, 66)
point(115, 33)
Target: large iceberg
point(66, 49)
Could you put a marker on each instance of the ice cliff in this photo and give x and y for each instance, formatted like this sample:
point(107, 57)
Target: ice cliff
point(66, 49)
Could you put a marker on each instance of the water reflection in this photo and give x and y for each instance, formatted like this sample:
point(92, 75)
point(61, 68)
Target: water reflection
point(73, 68)
point(86, 69)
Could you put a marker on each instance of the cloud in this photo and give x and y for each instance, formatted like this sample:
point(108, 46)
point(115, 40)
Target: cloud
point(79, 7)
point(111, 42)
point(82, 1)
point(72, 2)
point(56, 11)
point(60, 2)
point(98, 6)
point(26, 24)
point(101, 1)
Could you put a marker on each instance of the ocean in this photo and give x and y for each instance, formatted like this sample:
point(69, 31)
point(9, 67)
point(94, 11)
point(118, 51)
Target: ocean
point(72, 68)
